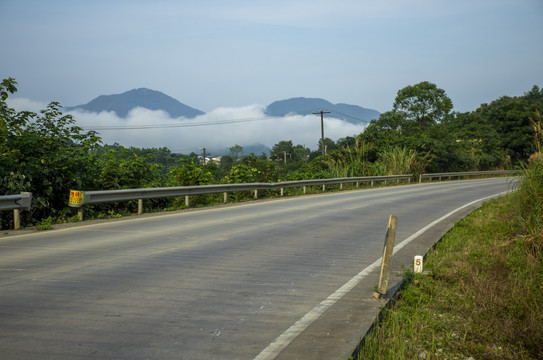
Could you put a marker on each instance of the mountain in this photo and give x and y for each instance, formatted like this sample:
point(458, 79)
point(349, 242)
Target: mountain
point(121, 104)
point(306, 106)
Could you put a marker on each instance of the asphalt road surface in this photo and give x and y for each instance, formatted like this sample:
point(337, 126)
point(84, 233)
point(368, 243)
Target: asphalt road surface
point(217, 283)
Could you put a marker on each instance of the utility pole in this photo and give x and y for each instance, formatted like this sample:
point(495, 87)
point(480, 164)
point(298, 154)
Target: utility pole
point(285, 155)
point(204, 149)
point(322, 127)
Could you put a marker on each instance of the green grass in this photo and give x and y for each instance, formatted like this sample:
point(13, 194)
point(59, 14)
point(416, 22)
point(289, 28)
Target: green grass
point(483, 298)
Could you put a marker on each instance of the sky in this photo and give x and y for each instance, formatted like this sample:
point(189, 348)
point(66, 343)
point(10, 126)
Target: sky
point(232, 58)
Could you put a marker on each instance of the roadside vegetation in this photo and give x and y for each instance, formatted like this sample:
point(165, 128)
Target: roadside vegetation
point(482, 297)
point(46, 153)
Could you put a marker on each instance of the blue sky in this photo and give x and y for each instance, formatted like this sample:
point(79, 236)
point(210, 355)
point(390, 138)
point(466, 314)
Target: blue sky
point(235, 53)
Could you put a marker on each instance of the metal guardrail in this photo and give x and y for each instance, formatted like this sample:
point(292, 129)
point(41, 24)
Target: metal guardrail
point(80, 198)
point(22, 201)
point(450, 175)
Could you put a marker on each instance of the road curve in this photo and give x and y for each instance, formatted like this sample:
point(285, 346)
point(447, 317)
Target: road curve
point(217, 283)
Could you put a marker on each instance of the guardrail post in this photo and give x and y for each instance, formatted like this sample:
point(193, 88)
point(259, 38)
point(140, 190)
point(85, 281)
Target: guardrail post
point(187, 201)
point(282, 191)
point(16, 219)
point(387, 256)
point(372, 183)
point(357, 184)
point(76, 200)
point(323, 187)
point(341, 186)
point(256, 194)
point(140, 206)
point(225, 197)
point(305, 189)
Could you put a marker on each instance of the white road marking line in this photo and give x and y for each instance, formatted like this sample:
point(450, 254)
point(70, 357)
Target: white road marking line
point(283, 340)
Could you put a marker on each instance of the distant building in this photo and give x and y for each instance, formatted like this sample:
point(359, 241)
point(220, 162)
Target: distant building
point(215, 159)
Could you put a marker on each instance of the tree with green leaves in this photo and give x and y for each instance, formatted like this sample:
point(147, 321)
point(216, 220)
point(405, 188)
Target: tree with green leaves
point(424, 104)
point(235, 152)
point(122, 168)
point(44, 153)
point(387, 131)
point(510, 116)
point(282, 150)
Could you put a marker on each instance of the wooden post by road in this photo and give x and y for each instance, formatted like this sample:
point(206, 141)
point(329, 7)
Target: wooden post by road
point(16, 219)
point(387, 255)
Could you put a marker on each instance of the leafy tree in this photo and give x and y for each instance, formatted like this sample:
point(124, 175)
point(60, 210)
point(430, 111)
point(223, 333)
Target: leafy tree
point(387, 131)
point(477, 142)
point(289, 157)
point(265, 168)
point(424, 103)
point(122, 168)
point(162, 157)
point(282, 150)
point(44, 153)
point(329, 145)
point(190, 172)
point(227, 161)
point(510, 116)
point(348, 141)
point(300, 153)
point(241, 173)
point(235, 151)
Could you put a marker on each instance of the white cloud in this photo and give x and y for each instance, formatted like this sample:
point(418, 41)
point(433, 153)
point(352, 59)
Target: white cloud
point(257, 129)
point(23, 104)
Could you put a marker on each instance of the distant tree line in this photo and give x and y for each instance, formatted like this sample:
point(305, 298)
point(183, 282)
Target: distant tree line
point(47, 154)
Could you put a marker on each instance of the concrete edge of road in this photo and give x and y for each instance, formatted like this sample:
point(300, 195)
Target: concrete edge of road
point(318, 335)
point(7, 234)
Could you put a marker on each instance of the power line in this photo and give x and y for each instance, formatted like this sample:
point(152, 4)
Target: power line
point(180, 125)
point(353, 117)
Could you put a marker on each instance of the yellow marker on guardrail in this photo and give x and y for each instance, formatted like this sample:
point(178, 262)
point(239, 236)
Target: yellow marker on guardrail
point(76, 198)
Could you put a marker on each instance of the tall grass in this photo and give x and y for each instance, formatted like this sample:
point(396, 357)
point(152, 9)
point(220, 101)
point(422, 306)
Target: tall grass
point(397, 161)
point(350, 162)
point(537, 125)
point(401, 160)
point(530, 187)
point(530, 197)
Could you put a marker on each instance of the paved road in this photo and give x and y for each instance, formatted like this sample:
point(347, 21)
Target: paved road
point(220, 283)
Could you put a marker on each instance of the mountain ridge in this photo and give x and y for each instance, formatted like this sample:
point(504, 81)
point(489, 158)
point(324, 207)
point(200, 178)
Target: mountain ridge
point(122, 103)
point(306, 106)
